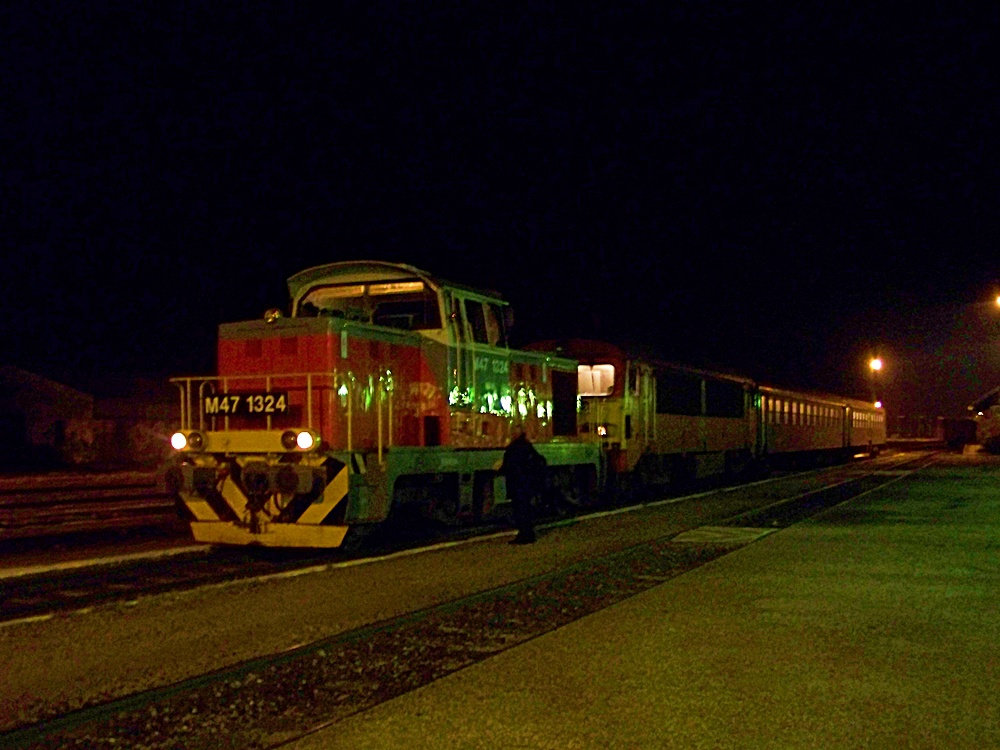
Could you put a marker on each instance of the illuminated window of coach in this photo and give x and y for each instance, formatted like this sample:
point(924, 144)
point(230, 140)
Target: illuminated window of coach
point(595, 380)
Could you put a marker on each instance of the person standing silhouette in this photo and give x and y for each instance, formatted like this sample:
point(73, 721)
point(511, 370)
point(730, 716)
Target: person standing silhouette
point(524, 468)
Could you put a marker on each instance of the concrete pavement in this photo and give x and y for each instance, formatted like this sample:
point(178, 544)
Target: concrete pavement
point(872, 625)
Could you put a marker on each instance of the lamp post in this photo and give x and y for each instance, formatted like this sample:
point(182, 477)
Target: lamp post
point(875, 364)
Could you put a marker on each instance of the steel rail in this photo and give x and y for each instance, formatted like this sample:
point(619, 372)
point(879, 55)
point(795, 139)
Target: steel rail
point(38, 506)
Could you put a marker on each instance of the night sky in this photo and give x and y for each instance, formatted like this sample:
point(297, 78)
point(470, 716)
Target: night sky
point(743, 186)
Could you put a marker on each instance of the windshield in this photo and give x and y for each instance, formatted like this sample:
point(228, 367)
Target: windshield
point(381, 304)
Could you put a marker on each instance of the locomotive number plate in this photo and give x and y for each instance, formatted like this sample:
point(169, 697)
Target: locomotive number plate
point(246, 404)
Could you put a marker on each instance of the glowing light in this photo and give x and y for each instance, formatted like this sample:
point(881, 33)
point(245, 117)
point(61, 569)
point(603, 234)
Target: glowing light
point(387, 383)
point(595, 380)
point(395, 287)
point(457, 397)
point(317, 296)
point(305, 440)
point(878, 404)
point(875, 364)
point(602, 430)
point(179, 441)
point(342, 391)
point(522, 402)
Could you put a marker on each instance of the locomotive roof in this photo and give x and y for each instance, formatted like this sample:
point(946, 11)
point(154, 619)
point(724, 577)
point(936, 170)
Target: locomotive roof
point(363, 271)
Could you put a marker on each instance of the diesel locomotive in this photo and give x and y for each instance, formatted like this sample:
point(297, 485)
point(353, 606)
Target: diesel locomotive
point(389, 390)
point(385, 387)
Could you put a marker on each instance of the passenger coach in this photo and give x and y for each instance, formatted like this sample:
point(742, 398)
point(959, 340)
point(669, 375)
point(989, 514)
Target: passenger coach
point(660, 422)
point(793, 423)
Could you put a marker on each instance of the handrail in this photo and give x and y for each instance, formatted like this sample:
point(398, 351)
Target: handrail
point(187, 384)
point(335, 381)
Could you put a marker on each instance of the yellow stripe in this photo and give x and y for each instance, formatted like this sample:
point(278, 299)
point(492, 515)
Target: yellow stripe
point(199, 508)
point(234, 497)
point(333, 494)
point(276, 535)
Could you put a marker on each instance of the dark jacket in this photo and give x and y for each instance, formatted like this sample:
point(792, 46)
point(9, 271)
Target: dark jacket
point(524, 468)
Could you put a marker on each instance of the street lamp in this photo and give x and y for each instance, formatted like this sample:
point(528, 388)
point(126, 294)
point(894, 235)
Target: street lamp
point(875, 364)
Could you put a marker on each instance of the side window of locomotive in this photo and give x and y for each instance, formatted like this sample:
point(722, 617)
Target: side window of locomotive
point(595, 380)
point(724, 399)
point(494, 325)
point(678, 393)
point(476, 319)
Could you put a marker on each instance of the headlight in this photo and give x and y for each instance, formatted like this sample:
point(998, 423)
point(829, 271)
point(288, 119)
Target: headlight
point(193, 440)
point(303, 440)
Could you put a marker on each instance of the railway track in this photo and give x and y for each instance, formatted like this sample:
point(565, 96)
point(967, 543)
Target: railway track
point(62, 504)
point(271, 701)
point(770, 504)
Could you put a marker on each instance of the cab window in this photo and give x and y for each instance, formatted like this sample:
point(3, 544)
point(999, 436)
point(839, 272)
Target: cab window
point(476, 319)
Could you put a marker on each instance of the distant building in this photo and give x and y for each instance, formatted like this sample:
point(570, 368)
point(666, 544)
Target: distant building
point(35, 413)
point(983, 404)
point(46, 424)
point(986, 411)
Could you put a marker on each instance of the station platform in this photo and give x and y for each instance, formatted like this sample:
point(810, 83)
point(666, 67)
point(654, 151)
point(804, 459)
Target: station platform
point(872, 625)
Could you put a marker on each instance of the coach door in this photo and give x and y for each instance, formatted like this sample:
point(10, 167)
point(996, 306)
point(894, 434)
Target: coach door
point(765, 404)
